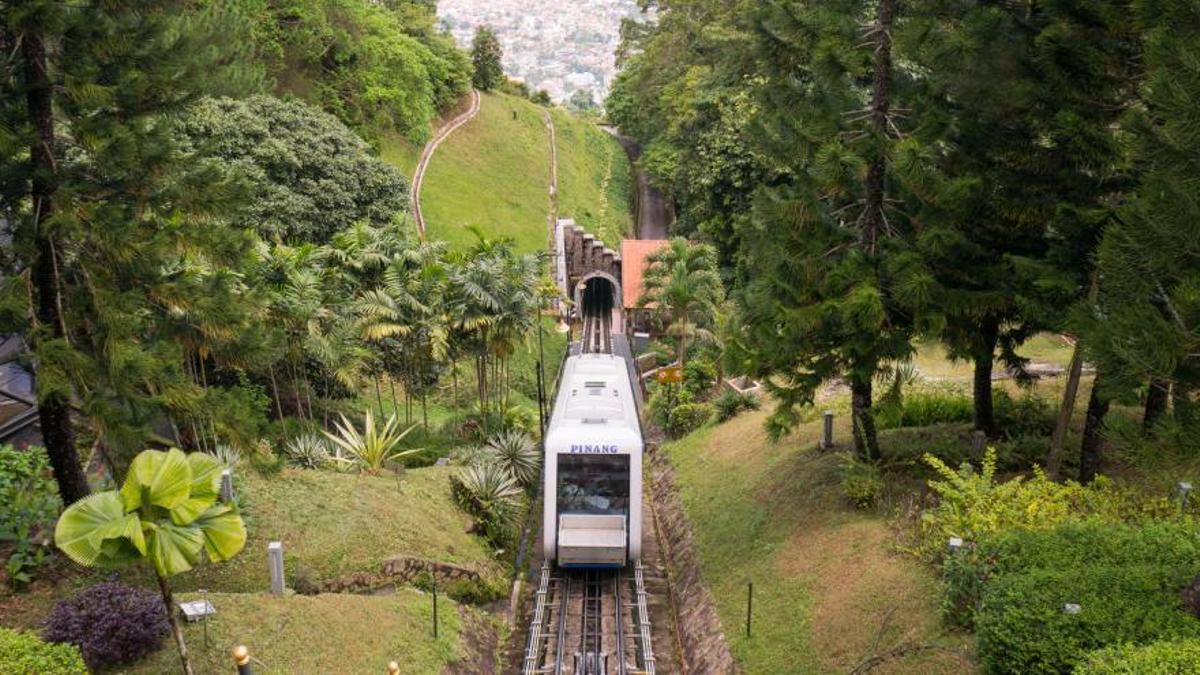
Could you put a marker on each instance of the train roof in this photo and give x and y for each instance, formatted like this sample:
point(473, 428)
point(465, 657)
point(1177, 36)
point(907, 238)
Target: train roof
point(595, 393)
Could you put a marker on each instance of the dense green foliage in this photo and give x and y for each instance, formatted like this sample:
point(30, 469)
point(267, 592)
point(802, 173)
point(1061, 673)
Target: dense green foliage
point(309, 175)
point(25, 653)
point(1178, 657)
point(968, 572)
point(486, 55)
point(31, 504)
point(682, 292)
point(377, 66)
point(1023, 624)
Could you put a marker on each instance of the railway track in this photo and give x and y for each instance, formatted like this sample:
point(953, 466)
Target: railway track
point(589, 622)
point(597, 333)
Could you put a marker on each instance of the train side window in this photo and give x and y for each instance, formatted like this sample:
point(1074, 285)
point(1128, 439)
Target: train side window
point(593, 484)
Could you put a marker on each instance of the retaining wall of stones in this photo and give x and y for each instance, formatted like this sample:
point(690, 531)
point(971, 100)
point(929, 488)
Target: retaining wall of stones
point(399, 570)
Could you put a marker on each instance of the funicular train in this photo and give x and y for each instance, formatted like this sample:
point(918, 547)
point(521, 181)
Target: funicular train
point(592, 483)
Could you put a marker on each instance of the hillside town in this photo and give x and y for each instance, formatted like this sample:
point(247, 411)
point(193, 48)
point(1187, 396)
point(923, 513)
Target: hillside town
point(561, 47)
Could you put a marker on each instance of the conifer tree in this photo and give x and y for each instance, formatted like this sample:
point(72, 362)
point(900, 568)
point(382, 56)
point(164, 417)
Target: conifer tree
point(1018, 106)
point(825, 296)
point(110, 220)
point(486, 54)
point(1143, 329)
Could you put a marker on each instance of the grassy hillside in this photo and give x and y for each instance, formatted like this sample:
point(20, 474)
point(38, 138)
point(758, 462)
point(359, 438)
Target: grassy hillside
point(319, 634)
point(494, 172)
point(595, 181)
point(827, 585)
point(333, 525)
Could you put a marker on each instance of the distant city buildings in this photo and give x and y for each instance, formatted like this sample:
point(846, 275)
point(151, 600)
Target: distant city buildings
point(562, 46)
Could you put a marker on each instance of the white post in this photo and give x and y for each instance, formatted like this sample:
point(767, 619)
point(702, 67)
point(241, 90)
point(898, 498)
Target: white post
point(978, 443)
point(275, 562)
point(226, 490)
point(827, 435)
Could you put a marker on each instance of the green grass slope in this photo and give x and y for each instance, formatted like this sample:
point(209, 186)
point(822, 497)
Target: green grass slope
point(318, 634)
point(493, 173)
point(828, 588)
point(333, 525)
point(595, 180)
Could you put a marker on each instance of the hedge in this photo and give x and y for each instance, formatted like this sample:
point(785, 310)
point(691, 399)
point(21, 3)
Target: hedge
point(1023, 627)
point(1074, 545)
point(25, 654)
point(1160, 658)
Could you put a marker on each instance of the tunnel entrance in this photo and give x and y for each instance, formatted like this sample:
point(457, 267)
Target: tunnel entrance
point(598, 296)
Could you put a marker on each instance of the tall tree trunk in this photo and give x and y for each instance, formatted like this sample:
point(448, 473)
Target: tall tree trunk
point(173, 619)
point(378, 397)
point(296, 391)
point(866, 440)
point(395, 399)
point(1156, 403)
point(424, 410)
point(1093, 433)
point(984, 357)
point(275, 394)
point(1065, 411)
point(54, 411)
point(874, 222)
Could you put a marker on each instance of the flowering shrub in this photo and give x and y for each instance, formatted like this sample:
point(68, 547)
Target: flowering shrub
point(111, 623)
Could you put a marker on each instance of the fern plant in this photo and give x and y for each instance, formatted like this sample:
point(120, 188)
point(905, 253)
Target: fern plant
point(372, 448)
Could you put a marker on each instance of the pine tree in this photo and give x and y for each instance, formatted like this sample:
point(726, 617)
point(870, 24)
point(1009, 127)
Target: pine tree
point(120, 235)
point(1143, 329)
point(486, 54)
point(1018, 103)
point(830, 280)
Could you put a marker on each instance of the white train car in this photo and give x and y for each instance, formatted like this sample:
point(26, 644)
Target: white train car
point(592, 484)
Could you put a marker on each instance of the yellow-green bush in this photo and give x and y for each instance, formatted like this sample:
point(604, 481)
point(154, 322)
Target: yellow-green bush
point(25, 654)
point(973, 505)
point(1180, 657)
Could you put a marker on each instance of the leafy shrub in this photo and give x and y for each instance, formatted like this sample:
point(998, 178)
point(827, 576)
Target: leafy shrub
point(1178, 657)
point(1023, 626)
point(478, 591)
point(699, 376)
point(862, 482)
point(1029, 415)
point(307, 452)
point(732, 403)
point(111, 623)
point(30, 505)
point(688, 417)
point(664, 353)
point(926, 408)
point(1068, 546)
point(972, 505)
point(492, 496)
point(663, 399)
point(517, 452)
point(25, 654)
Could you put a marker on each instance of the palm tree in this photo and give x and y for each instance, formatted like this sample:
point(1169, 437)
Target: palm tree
point(166, 513)
point(682, 289)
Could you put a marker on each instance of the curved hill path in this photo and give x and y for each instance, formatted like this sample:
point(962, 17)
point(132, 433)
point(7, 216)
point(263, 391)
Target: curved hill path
point(427, 155)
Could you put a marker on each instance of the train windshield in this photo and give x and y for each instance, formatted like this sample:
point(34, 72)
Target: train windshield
point(593, 484)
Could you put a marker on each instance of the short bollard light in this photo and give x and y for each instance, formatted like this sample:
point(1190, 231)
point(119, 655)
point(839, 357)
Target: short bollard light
point(241, 658)
point(393, 668)
point(1183, 489)
point(955, 545)
point(1071, 608)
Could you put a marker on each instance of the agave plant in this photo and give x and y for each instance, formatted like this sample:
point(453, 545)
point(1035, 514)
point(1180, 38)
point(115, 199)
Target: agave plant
point(372, 448)
point(226, 454)
point(472, 454)
point(165, 513)
point(516, 451)
point(489, 492)
point(309, 451)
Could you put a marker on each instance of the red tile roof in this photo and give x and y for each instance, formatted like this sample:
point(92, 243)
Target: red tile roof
point(633, 265)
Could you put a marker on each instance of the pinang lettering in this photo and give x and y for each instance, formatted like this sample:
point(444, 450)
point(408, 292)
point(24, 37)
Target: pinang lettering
point(589, 449)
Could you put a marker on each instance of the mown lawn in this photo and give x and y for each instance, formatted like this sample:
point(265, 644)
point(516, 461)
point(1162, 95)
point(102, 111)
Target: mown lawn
point(333, 525)
point(931, 360)
point(400, 153)
point(318, 634)
point(829, 589)
point(595, 181)
point(493, 173)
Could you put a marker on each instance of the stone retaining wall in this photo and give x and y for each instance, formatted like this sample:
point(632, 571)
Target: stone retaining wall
point(705, 649)
point(398, 570)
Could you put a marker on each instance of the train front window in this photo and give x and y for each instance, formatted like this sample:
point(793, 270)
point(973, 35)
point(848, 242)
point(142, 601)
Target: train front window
point(593, 484)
